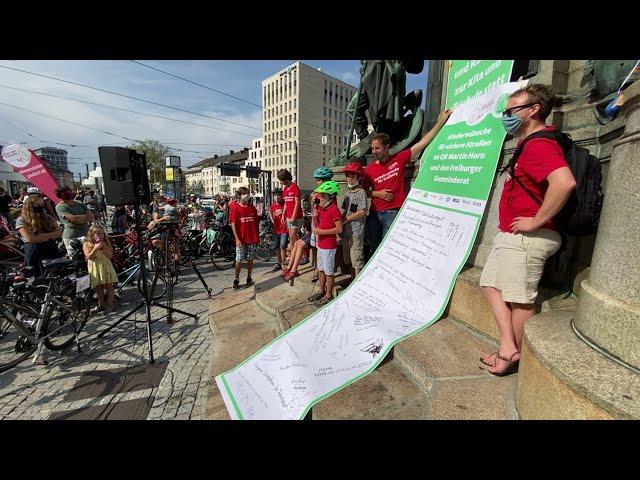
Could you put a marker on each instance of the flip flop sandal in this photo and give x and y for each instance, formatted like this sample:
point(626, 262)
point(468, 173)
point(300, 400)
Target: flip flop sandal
point(322, 302)
point(490, 356)
point(512, 365)
point(315, 297)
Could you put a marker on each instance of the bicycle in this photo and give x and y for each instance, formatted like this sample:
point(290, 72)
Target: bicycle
point(48, 311)
point(223, 248)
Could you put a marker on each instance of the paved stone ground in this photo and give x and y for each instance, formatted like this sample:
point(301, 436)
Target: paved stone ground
point(35, 392)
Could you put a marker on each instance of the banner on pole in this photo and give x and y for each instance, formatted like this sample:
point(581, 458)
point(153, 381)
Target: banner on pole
point(405, 287)
point(29, 165)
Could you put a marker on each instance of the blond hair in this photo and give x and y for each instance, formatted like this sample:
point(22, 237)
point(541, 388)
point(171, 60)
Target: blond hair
point(92, 231)
point(36, 223)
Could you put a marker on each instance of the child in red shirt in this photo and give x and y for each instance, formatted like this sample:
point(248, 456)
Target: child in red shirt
point(243, 218)
point(329, 225)
point(279, 228)
point(292, 212)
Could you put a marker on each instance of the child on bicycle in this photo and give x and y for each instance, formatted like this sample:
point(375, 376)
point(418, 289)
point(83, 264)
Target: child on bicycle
point(98, 252)
point(244, 223)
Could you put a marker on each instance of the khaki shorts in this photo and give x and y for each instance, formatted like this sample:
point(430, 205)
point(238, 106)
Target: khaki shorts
point(516, 262)
point(353, 252)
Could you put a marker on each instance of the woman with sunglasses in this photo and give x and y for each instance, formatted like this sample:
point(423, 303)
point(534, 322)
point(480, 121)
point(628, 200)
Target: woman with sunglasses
point(39, 231)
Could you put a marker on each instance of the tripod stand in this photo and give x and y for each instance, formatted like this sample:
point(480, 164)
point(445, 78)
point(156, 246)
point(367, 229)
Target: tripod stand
point(147, 302)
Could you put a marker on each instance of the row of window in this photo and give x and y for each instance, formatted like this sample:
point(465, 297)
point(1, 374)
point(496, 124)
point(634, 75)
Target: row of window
point(280, 122)
point(280, 109)
point(283, 135)
point(282, 88)
point(256, 154)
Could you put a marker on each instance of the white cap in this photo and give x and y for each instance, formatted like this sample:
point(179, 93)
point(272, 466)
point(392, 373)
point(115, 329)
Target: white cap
point(32, 190)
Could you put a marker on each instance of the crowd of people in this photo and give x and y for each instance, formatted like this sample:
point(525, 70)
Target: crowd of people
point(309, 229)
point(527, 234)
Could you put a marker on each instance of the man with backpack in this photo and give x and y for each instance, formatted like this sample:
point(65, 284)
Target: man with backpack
point(539, 184)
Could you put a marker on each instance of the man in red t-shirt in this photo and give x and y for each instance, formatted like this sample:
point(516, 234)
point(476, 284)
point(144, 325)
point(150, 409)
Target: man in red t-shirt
point(527, 236)
point(279, 228)
point(292, 212)
point(386, 178)
point(243, 218)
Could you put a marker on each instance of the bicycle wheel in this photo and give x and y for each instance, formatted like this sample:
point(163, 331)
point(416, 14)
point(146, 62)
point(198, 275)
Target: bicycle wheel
point(15, 347)
point(223, 253)
point(161, 285)
point(65, 320)
point(263, 252)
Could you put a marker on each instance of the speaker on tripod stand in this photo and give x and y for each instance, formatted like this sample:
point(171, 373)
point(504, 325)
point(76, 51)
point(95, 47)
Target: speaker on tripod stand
point(124, 173)
point(125, 179)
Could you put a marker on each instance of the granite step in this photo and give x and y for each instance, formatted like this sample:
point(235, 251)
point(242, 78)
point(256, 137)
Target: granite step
point(561, 377)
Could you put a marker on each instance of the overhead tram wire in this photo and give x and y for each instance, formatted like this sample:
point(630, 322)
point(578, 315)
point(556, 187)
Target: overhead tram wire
point(218, 91)
point(196, 83)
point(128, 110)
point(128, 96)
point(91, 128)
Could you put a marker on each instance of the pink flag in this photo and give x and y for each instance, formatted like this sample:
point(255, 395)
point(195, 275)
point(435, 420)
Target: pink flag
point(28, 164)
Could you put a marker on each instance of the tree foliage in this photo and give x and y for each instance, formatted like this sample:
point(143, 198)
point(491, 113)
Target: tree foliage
point(155, 153)
point(197, 188)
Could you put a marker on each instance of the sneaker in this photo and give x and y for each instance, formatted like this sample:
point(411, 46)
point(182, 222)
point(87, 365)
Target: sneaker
point(314, 279)
point(277, 268)
point(236, 284)
point(250, 282)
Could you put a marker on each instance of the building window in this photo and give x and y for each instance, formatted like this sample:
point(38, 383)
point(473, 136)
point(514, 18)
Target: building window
point(325, 111)
point(294, 102)
point(294, 131)
point(329, 125)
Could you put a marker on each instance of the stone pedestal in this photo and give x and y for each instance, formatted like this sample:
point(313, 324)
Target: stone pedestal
point(609, 308)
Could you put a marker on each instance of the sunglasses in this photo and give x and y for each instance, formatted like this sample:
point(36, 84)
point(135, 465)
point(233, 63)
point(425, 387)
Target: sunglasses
point(510, 111)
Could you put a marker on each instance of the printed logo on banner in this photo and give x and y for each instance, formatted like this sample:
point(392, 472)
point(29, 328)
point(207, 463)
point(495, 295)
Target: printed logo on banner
point(16, 155)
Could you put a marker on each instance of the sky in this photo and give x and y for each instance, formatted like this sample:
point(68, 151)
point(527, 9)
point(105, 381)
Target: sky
point(241, 79)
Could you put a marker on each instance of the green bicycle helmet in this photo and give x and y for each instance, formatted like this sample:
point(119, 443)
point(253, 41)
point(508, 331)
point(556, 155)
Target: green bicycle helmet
point(323, 173)
point(330, 188)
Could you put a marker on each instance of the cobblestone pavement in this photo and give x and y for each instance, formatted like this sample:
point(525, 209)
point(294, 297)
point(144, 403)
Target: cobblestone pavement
point(35, 392)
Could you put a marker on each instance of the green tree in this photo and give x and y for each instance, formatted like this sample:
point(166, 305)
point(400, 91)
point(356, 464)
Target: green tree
point(197, 188)
point(155, 153)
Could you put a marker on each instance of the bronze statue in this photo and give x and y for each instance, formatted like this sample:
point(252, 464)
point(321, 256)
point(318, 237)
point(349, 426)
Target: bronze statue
point(381, 102)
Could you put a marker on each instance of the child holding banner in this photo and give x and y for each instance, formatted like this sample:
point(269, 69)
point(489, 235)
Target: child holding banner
point(354, 213)
point(329, 225)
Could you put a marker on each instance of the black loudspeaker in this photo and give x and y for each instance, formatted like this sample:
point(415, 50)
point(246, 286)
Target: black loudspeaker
point(124, 173)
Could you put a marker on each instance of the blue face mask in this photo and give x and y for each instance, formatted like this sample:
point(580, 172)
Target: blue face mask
point(511, 123)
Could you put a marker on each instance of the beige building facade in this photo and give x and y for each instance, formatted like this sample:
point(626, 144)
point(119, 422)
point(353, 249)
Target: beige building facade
point(305, 123)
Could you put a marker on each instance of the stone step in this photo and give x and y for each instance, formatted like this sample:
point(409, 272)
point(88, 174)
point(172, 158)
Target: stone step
point(239, 330)
point(561, 377)
point(469, 306)
point(444, 360)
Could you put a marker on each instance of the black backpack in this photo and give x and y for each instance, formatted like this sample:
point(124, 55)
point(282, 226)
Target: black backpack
point(581, 214)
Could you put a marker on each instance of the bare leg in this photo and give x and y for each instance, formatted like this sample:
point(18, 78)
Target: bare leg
point(110, 296)
point(521, 312)
point(314, 260)
point(249, 268)
point(279, 256)
point(502, 315)
point(238, 269)
point(296, 255)
point(329, 292)
point(100, 293)
point(321, 282)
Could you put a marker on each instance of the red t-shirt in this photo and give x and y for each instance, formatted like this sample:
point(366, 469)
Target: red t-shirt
point(290, 193)
point(245, 218)
point(327, 217)
point(539, 158)
point(279, 226)
point(388, 176)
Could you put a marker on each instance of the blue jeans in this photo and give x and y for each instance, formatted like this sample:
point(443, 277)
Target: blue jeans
point(378, 224)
